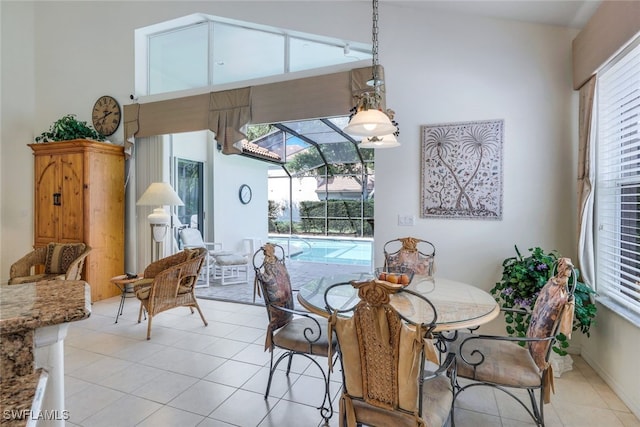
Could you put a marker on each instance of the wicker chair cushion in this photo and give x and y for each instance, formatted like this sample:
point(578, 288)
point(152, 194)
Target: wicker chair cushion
point(412, 260)
point(36, 278)
point(276, 286)
point(545, 317)
point(505, 362)
point(292, 337)
point(143, 293)
point(60, 256)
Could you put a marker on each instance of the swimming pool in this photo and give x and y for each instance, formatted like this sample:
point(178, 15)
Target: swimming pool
point(328, 250)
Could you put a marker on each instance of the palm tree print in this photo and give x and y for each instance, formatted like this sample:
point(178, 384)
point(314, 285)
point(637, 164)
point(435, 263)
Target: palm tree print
point(462, 170)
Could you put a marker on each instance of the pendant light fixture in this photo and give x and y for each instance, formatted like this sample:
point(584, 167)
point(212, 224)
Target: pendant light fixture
point(368, 120)
point(385, 141)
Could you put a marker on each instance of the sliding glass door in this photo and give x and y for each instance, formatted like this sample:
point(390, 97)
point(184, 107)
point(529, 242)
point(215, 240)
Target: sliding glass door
point(190, 188)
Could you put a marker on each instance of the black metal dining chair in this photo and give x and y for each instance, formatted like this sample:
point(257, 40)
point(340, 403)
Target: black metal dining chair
point(410, 253)
point(297, 333)
point(508, 363)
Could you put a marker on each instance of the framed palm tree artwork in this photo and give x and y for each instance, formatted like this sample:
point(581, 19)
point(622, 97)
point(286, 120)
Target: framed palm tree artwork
point(461, 170)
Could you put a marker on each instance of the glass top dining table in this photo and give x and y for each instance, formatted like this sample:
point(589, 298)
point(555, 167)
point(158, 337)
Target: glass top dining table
point(458, 305)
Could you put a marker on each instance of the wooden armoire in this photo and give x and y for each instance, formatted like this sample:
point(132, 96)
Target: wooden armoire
point(79, 197)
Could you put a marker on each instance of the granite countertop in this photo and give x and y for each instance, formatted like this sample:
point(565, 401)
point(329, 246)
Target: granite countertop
point(21, 397)
point(35, 305)
point(23, 309)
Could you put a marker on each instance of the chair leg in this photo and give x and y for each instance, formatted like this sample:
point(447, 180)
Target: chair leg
point(201, 315)
point(140, 313)
point(149, 326)
point(289, 363)
point(538, 413)
point(326, 408)
point(266, 393)
point(208, 267)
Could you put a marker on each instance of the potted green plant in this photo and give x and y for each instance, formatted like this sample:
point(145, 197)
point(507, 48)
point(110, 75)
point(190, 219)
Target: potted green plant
point(67, 128)
point(522, 280)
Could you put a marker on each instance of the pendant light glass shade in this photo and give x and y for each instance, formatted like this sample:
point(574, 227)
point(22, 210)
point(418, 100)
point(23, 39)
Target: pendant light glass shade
point(370, 123)
point(386, 141)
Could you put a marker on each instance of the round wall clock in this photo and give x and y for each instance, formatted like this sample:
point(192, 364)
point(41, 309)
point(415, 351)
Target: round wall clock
point(245, 194)
point(106, 115)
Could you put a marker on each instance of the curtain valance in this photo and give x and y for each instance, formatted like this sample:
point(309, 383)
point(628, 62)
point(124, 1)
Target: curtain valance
point(227, 113)
point(612, 25)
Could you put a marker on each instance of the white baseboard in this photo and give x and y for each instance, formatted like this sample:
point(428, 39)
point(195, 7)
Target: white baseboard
point(634, 407)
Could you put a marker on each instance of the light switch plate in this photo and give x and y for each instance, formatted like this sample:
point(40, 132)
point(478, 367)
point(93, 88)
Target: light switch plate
point(406, 220)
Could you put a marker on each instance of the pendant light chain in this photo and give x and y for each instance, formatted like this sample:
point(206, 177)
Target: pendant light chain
point(374, 42)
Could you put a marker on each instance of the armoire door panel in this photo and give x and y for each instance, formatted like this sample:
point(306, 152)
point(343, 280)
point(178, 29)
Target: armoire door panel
point(71, 206)
point(46, 215)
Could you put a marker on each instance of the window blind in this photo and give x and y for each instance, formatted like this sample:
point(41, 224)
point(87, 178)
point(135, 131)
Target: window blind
point(618, 181)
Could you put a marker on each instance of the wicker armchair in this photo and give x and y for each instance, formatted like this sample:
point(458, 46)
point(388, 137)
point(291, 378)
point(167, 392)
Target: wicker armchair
point(58, 261)
point(499, 362)
point(386, 380)
point(169, 283)
point(411, 253)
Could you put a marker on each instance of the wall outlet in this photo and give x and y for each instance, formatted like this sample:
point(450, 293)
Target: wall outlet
point(406, 220)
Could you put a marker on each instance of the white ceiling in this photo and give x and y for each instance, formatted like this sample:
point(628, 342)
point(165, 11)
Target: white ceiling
point(567, 13)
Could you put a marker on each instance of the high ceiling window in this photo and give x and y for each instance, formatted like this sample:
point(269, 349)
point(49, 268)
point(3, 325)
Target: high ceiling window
point(202, 51)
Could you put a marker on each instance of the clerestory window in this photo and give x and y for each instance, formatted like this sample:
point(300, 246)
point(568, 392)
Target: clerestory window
point(202, 51)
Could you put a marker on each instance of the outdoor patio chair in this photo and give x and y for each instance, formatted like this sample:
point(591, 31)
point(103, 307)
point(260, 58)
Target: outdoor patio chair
point(192, 238)
point(499, 362)
point(410, 253)
point(385, 375)
point(297, 333)
point(62, 261)
point(229, 267)
point(169, 283)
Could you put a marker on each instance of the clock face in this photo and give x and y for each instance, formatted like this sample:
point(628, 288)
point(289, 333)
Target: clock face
point(106, 115)
point(245, 194)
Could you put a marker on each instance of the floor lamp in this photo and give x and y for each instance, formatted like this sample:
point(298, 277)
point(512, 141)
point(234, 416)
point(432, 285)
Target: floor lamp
point(159, 194)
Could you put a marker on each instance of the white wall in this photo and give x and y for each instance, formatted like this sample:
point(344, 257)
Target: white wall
point(439, 68)
point(466, 69)
point(17, 112)
point(234, 221)
point(612, 350)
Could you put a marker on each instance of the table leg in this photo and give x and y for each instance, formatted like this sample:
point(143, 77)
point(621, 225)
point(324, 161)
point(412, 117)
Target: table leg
point(122, 298)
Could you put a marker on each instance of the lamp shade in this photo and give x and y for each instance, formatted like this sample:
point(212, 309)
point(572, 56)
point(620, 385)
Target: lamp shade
point(386, 141)
point(370, 122)
point(159, 194)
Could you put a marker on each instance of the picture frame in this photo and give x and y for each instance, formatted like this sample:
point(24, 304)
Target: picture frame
point(461, 170)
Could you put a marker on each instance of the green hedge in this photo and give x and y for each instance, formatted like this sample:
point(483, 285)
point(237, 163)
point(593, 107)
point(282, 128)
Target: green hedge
point(343, 218)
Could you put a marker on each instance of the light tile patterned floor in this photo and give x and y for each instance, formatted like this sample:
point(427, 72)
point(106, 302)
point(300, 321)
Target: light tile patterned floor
point(191, 375)
point(299, 271)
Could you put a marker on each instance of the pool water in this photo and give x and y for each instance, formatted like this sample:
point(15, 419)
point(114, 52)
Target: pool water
point(328, 251)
